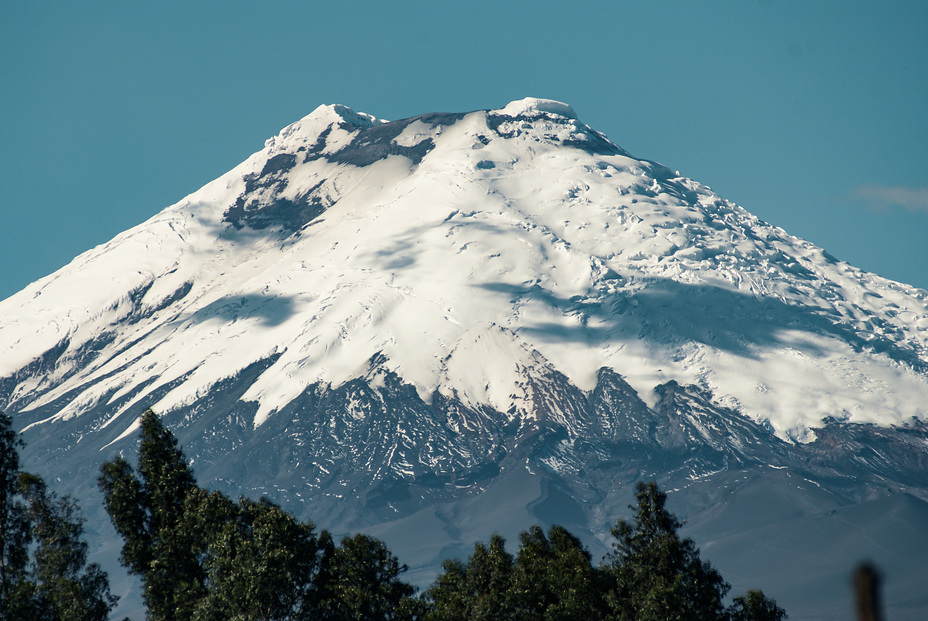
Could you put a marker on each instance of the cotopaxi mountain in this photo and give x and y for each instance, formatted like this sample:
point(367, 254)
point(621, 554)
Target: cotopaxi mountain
point(454, 324)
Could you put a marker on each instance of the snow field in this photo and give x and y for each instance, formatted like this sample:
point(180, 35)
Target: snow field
point(491, 259)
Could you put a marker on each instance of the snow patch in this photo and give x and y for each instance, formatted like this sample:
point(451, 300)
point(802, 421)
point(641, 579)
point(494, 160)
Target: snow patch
point(532, 106)
point(307, 130)
point(414, 133)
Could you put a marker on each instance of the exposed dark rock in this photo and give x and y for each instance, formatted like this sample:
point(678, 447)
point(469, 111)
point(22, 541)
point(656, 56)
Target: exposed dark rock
point(375, 143)
point(583, 137)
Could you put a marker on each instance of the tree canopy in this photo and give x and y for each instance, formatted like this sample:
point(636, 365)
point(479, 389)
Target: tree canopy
point(44, 574)
point(202, 556)
point(653, 574)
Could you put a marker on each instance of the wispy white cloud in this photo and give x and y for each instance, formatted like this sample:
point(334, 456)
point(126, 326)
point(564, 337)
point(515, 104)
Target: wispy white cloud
point(882, 197)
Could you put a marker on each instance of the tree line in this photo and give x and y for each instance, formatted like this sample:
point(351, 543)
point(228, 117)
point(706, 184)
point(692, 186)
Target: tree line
point(203, 556)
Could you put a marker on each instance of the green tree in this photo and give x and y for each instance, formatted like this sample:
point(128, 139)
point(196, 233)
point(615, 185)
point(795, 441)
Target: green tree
point(261, 562)
point(202, 556)
point(654, 575)
point(363, 583)
point(15, 591)
point(148, 512)
point(449, 598)
point(66, 587)
point(554, 579)
point(755, 606)
point(44, 573)
point(479, 590)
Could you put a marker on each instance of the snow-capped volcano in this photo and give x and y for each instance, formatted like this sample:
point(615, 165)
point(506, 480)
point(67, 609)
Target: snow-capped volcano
point(466, 250)
point(454, 324)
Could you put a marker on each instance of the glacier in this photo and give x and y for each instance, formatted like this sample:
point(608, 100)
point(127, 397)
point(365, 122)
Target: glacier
point(476, 237)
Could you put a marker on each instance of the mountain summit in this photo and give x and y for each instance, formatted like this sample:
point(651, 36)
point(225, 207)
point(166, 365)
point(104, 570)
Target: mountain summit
point(464, 251)
point(399, 324)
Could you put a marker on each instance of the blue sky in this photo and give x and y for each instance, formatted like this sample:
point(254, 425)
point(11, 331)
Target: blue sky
point(811, 115)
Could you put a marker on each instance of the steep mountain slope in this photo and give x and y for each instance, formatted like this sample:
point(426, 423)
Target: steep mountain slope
point(455, 323)
point(516, 236)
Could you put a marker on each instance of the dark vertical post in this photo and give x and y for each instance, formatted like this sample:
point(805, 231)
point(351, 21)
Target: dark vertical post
point(867, 589)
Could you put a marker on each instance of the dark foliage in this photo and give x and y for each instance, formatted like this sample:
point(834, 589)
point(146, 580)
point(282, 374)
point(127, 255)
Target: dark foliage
point(363, 583)
point(651, 574)
point(202, 556)
point(554, 578)
point(148, 512)
point(14, 526)
point(44, 575)
point(478, 590)
point(654, 574)
point(755, 606)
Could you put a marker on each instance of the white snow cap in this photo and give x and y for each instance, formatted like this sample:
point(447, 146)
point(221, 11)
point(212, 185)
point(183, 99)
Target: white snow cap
point(531, 249)
point(335, 113)
point(533, 106)
point(310, 126)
